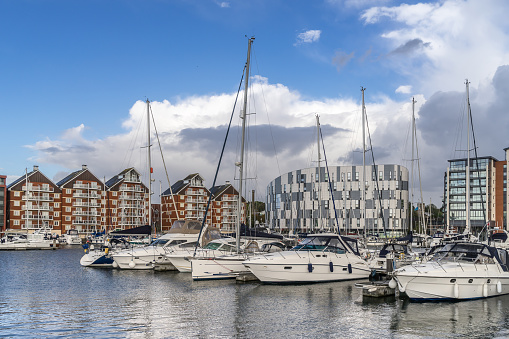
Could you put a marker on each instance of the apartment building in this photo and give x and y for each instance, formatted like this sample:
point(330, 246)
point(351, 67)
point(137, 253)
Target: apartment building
point(33, 202)
point(224, 207)
point(82, 196)
point(127, 201)
point(3, 202)
point(486, 193)
point(308, 200)
point(186, 199)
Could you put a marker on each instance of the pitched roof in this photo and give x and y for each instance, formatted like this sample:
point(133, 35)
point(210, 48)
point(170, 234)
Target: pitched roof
point(69, 177)
point(20, 179)
point(177, 187)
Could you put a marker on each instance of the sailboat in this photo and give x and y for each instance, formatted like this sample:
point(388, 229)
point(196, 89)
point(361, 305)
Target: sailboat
point(457, 270)
point(320, 257)
point(228, 266)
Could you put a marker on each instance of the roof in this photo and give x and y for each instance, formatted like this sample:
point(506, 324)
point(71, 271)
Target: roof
point(20, 179)
point(69, 177)
point(176, 187)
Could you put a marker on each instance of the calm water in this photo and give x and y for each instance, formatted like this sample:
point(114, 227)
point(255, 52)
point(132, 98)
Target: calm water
point(48, 294)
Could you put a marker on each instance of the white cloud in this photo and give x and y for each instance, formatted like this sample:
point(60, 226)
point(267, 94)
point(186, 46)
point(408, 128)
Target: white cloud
point(308, 37)
point(404, 89)
point(457, 39)
point(224, 4)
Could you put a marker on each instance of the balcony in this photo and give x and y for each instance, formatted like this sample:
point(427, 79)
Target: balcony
point(86, 222)
point(31, 197)
point(93, 195)
point(36, 208)
point(38, 188)
point(36, 217)
point(86, 204)
point(87, 213)
point(131, 197)
point(86, 186)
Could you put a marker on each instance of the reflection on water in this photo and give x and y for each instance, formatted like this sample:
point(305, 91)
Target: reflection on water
point(48, 294)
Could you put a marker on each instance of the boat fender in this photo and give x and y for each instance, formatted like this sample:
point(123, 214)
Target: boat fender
point(106, 250)
point(310, 267)
point(350, 268)
point(393, 283)
point(132, 264)
point(456, 290)
point(115, 265)
point(499, 286)
point(331, 266)
point(485, 290)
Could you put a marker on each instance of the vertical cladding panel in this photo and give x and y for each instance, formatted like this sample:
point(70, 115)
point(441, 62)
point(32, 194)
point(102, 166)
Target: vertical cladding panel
point(290, 178)
point(277, 185)
point(322, 174)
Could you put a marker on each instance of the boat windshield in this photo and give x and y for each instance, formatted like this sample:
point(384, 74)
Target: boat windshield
point(159, 242)
point(464, 252)
point(320, 243)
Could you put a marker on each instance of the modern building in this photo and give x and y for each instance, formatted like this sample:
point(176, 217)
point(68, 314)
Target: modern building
point(33, 203)
point(3, 202)
point(126, 201)
point(306, 200)
point(486, 193)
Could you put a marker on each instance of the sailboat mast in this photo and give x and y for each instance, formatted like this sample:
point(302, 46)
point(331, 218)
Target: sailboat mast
point(363, 186)
point(240, 164)
point(412, 169)
point(149, 167)
point(319, 171)
point(467, 219)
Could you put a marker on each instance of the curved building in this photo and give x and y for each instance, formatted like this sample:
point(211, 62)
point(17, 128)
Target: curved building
point(302, 200)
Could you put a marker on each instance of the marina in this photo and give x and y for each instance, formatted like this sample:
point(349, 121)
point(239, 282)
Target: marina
point(48, 294)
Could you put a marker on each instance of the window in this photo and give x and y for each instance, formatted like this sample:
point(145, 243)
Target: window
point(16, 213)
point(67, 209)
point(349, 176)
point(16, 203)
point(68, 200)
point(380, 175)
point(114, 194)
point(16, 194)
point(357, 176)
point(56, 223)
point(57, 214)
point(57, 205)
point(68, 191)
point(342, 176)
point(16, 222)
point(67, 218)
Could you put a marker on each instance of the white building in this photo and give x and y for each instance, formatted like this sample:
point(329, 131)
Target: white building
point(301, 201)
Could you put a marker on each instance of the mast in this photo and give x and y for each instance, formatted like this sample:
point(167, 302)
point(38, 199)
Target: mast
point(149, 168)
point(412, 168)
point(467, 219)
point(319, 172)
point(363, 202)
point(240, 164)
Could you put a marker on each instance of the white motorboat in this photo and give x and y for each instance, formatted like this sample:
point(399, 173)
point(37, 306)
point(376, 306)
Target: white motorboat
point(319, 258)
point(148, 257)
point(72, 237)
point(457, 271)
point(13, 241)
point(392, 256)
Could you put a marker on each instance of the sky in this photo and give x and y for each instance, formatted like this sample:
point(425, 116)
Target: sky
point(75, 76)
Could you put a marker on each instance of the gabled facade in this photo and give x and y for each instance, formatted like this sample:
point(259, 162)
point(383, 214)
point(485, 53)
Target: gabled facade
point(81, 207)
point(34, 203)
point(187, 199)
point(3, 203)
point(126, 201)
point(223, 210)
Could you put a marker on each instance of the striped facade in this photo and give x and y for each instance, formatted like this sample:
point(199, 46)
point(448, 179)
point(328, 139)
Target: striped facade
point(301, 200)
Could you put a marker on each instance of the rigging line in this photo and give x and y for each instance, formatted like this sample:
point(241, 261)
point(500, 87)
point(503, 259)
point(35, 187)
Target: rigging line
point(219, 162)
point(476, 162)
point(268, 119)
point(423, 227)
point(330, 183)
point(164, 163)
point(376, 177)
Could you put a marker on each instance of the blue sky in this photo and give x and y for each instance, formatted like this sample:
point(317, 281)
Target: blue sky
point(75, 73)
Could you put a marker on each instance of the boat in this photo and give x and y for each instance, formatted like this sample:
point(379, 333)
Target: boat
point(13, 241)
point(457, 271)
point(229, 266)
point(72, 237)
point(153, 255)
point(322, 257)
point(102, 255)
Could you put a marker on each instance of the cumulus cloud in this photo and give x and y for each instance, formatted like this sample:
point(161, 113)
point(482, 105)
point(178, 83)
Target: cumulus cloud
point(223, 4)
point(308, 37)
point(407, 89)
point(448, 48)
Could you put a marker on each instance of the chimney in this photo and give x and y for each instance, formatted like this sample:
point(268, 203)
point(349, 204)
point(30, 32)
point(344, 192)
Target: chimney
point(227, 182)
point(83, 167)
point(36, 168)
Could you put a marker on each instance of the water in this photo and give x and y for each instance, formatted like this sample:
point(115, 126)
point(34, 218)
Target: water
point(48, 294)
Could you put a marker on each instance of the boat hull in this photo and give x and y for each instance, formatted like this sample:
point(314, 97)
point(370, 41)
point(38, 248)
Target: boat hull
point(307, 267)
point(454, 281)
point(96, 260)
point(228, 267)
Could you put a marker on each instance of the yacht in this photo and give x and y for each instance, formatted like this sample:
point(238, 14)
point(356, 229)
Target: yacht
point(153, 255)
point(102, 255)
point(456, 271)
point(318, 258)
